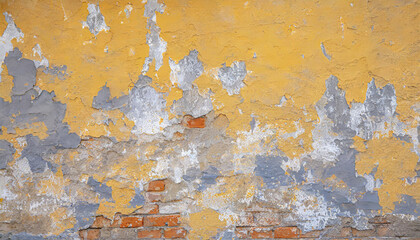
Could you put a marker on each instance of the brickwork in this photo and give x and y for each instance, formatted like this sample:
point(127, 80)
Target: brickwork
point(149, 222)
point(145, 223)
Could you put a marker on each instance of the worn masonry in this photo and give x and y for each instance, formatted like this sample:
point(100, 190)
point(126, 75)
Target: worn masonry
point(181, 119)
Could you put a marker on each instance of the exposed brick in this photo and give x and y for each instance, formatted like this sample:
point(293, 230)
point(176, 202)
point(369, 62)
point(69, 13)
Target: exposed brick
point(156, 186)
point(286, 232)
point(131, 221)
point(147, 233)
point(363, 233)
point(101, 222)
point(162, 220)
point(267, 218)
point(116, 222)
point(154, 197)
point(311, 234)
point(148, 209)
point(247, 219)
point(123, 233)
point(194, 122)
point(383, 231)
point(346, 232)
point(175, 233)
point(90, 234)
point(242, 232)
point(379, 220)
point(261, 233)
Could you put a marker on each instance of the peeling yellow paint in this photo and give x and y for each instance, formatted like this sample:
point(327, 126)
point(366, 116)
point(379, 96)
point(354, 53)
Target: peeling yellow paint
point(205, 224)
point(395, 161)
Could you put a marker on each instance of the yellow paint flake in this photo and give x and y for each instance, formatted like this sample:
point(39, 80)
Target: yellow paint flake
point(395, 161)
point(204, 224)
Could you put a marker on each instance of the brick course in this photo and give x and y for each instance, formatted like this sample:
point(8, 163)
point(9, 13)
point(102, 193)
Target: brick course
point(147, 222)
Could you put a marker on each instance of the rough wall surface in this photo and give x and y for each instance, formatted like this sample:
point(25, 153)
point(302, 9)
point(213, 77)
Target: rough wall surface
point(209, 119)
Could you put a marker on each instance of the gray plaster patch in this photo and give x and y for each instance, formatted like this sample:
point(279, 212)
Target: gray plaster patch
point(378, 108)
point(157, 46)
point(103, 100)
point(30, 106)
point(186, 71)
point(418, 133)
point(102, 189)
point(226, 234)
point(252, 124)
point(324, 51)
point(85, 213)
point(59, 71)
point(232, 77)
point(407, 205)
point(380, 102)
point(192, 103)
point(191, 174)
point(337, 108)
point(208, 178)
point(138, 199)
point(23, 72)
point(11, 32)
point(6, 153)
point(405, 138)
point(269, 168)
point(95, 21)
point(369, 201)
point(25, 236)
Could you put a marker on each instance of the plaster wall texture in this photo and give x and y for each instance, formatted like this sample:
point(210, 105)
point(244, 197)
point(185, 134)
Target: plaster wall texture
point(209, 119)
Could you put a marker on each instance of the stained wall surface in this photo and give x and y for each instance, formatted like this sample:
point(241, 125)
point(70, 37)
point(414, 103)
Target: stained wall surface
point(209, 119)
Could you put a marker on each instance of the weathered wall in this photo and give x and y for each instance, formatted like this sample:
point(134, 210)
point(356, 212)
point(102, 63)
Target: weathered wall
point(209, 119)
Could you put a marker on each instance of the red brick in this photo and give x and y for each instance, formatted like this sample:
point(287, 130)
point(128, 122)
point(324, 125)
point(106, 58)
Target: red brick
point(101, 222)
point(363, 233)
point(148, 209)
point(90, 234)
point(194, 122)
point(242, 232)
point(261, 233)
point(175, 233)
point(162, 220)
point(149, 234)
point(131, 222)
point(286, 232)
point(154, 197)
point(156, 186)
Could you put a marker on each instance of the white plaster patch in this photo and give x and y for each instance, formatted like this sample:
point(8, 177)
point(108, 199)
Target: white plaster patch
point(157, 46)
point(312, 211)
point(11, 32)
point(232, 77)
point(147, 110)
point(299, 131)
point(5, 192)
point(323, 141)
point(95, 21)
point(44, 61)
